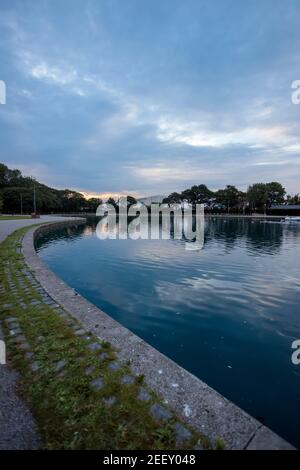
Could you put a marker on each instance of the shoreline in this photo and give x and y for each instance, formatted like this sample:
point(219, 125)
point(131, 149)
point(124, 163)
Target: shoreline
point(53, 353)
point(193, 401)
point(206, 214)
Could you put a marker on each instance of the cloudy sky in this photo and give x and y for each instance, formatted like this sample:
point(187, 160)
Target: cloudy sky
point(146, 97)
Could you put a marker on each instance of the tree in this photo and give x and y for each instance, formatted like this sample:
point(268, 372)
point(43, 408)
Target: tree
point(73, 201)
point(93, 203)
point(293, 199)
point(231, 198)
point(262, 195)
point(7, 176)
point(173, 198)
point(242, 202)
point(14, 188)
point(197, 194)
point(257, 196)
point(131, 201)
point(125, 202)
point(275, 193)
point(112, 201)
point(12, 199)
point(3, 175)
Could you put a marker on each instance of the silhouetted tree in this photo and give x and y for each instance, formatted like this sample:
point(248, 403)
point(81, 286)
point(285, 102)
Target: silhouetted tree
point(231, 198)
point(173, 198)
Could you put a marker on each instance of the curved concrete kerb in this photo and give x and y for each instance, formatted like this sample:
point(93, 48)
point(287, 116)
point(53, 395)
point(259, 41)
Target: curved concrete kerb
point(193, 400)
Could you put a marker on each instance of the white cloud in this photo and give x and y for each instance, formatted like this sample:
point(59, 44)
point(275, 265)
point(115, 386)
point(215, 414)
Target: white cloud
point(173, 128)
point(172, 172)
point(61, 76)
point(199, 134)
point(25, 93)
point(105, 196)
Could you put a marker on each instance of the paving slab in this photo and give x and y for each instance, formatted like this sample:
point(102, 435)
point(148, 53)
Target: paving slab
point(97, 384)
point(182, 434)
point(193, 400)
point(143, 395)
point(18, 430)
point(127, 380)
point(110, 401)
point(160, 413)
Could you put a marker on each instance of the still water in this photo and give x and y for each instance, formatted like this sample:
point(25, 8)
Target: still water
point(228, 313)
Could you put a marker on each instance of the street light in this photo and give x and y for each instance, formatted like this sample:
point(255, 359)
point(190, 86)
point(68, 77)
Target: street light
point(34, 200)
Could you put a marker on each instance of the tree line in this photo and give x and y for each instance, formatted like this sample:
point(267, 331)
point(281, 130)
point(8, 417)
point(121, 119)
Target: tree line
point(16, 196)
point(258, 198)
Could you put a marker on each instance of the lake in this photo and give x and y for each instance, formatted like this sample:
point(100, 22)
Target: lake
point(228, 313)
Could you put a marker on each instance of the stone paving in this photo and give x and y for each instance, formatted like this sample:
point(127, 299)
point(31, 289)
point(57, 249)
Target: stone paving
point(9, 226)
point(158, 412)
point(191, 400)
point(24, 279)
point(18, 429)
point(17, 425)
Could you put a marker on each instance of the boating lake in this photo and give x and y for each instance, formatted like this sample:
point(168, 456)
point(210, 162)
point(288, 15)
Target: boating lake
point(228, 313)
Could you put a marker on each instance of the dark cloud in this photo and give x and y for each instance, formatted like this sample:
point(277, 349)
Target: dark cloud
point(151, 96)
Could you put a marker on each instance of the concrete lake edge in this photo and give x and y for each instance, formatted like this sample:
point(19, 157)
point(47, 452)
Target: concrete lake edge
point(191, 399)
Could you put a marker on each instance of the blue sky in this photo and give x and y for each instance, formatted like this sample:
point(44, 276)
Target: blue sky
point(146, 97)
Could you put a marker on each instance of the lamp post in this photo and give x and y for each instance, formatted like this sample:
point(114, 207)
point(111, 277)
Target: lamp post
point(21, 202)
point(34, 200)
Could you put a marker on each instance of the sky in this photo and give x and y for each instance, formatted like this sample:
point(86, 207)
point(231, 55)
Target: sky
point(148, 97)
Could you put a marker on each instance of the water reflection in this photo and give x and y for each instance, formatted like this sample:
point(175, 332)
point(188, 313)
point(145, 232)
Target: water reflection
point(260, 236)
point(227, 313)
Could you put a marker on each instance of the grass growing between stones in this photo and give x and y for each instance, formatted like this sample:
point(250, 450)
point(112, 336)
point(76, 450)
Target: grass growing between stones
point(14, 217)
point(81, 396)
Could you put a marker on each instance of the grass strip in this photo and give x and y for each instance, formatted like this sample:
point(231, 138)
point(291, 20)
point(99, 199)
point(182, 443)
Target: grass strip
point(81, 396)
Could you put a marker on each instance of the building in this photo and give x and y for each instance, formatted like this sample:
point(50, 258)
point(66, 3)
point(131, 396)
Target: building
point(284, 209)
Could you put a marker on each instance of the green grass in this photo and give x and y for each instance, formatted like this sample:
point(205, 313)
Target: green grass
point(14, 217)
point(69, 413)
